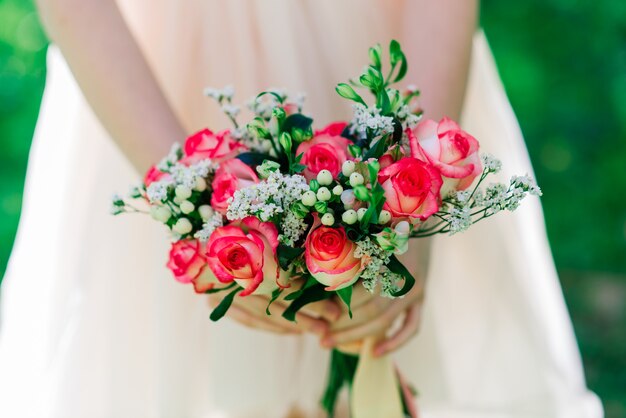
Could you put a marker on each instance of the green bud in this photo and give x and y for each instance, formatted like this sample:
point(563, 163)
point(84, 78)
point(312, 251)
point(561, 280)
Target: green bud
point(299, 210)
point(321, 207)
point(285, 141)
point(257, 128)
point(279, 113)
point(362, 193)
point(314, 185)
point(267, 167)
point(300, 135)
point(375, 52)
point(347, 92)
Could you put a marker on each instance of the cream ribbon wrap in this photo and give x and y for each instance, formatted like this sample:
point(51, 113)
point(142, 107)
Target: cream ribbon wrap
point(375, 391)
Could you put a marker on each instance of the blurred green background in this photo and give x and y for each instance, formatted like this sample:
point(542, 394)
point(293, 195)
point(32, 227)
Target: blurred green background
point(563, 63)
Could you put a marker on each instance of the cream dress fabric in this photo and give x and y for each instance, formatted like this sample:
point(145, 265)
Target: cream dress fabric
point(94, 326)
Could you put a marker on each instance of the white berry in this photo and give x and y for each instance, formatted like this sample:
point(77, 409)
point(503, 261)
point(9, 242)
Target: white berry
point(308, 198)
point(337, 190)
point(187, 207)
point(200, 184)
point(356, 179)
point(384, 217)
point(347, 198)
point(349, 217)
point(360, 213)
point(160, 213)
point(328, 219)
point(348, 167)
point(182, 226)
point(324, 178)
point(183, 192)
point(323, 194)
point(205, 212)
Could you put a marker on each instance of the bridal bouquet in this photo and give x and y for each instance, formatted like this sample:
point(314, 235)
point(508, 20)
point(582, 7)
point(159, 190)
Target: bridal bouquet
point(280, 208)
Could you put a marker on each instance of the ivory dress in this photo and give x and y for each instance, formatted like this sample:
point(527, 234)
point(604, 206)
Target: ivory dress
point(93, 325)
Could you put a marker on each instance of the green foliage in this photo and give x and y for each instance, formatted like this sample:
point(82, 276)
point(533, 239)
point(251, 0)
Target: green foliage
point(565, 74)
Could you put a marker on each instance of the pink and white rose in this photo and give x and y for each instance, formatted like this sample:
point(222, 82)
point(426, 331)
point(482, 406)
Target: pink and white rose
point(245, 252)
point(451, 150)
point(231, 176)
point(327, 150)
point(412, 189)
point(206, 144)
point(329, 256)
point(189, 265)
point(154, 174)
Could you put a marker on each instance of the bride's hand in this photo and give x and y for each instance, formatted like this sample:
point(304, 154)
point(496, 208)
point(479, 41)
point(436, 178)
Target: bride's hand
point(314, 318)
point(373, 315)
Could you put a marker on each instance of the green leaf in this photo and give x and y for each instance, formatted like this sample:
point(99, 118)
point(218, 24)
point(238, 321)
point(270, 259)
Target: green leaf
point(377, 150)
point(373, 168)
point(395, 52)
point(341, 372)
point(397, 267)
point(347, 92)
point(312, 294)
point(222, 308)
point(220, 289)
point(254, 158)
point(345, 295)
point(297, 120)
point(308, 283)
point(382, 101)
point(403, 69)
point(297, 168)
point(276, 95)
point(287, 254)
point(275, 295)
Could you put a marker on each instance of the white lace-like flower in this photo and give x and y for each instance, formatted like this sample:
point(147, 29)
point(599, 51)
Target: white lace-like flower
point(375, 271)
point(369, 119)
point(292, 228)
point(268, 198)
point(158, 191)
point(171, 158)
point(209, 226)
point(231, 110)
point(188, 175)
point(460, 219)
point(491, 163)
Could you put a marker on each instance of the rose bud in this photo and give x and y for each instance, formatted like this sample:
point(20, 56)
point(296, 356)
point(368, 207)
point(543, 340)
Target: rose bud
point(231, 176)
point(216, 147)
point(411, 189)
point(188, 263)
point(327, 150)
point(245, 252)
point(451, 150)
point(154, 174)
point(329, 256)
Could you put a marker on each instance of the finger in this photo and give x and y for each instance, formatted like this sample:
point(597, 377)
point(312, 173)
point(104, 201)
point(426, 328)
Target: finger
point(328, 309)
point(250, 312)
point(304, 321)
point(250, 320)
point(410, 327)
point(360, 315)
point(376, 326)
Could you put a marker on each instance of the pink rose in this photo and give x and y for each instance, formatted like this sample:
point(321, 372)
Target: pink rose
point(231, 176)
point(153, 174)
point(326, 150)
point(411, 188)
point(217, 147)
point(451, 150)
point(189, 265)
point(329, 256)
point(245, 252)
